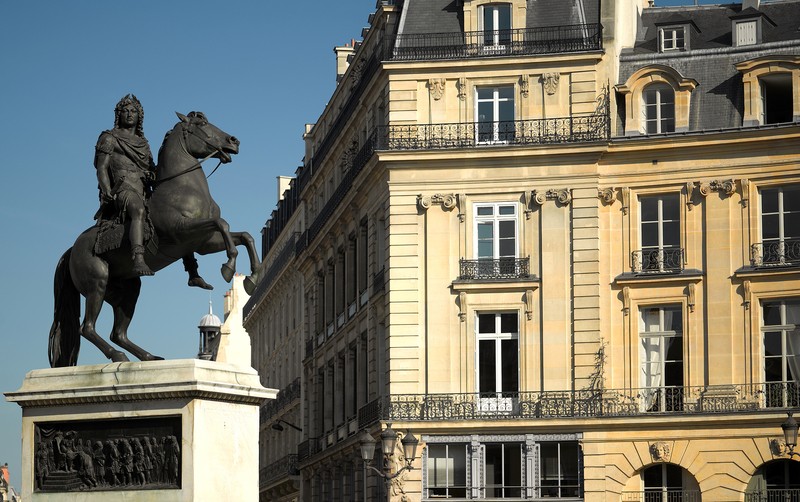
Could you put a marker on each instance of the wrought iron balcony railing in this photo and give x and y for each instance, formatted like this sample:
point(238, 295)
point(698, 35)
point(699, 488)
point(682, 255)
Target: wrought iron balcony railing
point(584, 403)
point(487, 269)
point(288, 394)
point(659, 495)
point(574, 129)
point(657, 261)
point(282, 468)
point(774, 495)
point(488, 43)
point(776, 253)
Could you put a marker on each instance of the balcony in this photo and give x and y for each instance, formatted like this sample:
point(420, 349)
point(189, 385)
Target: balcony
point(278, 470)
point(479, 44)
point(778, 253)
point(558, 130)
point(656, 495)
point(491, 269)
point(657, 261)
point(287, 395)
point(774, 495)
point(694, 400)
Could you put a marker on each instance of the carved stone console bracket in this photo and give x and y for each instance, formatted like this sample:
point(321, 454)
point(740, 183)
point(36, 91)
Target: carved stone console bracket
point(626, 300)
point(462, 306)
point(447, 201)
point(690, 195)
point(550, 82)
point(607, 195)
point(691, 297)
point(626, 199)
point(562, 195)
point(529, 304)
point(726, 186)
point(746, 294)
point(744, 183)
point(461, 86)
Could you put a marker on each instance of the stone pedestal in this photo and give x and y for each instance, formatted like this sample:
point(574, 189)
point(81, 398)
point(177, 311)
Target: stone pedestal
point(210, 408)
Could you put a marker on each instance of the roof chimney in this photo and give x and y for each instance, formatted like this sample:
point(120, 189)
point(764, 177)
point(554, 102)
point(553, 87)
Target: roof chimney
point(342, 54)
point(746, 4)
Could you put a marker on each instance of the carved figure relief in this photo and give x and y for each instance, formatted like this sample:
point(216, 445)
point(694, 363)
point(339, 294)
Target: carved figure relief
point(448, 201)
point(660, 451)
point(550, 82)
point(524, 86)
point(436, 87)
point(778, 447)
point(108, 455)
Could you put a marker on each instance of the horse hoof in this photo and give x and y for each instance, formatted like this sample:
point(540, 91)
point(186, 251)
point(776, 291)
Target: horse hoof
point(249, 285)
point(228, 272)
point(119, 357)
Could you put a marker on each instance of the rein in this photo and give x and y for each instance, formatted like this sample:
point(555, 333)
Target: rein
point(196, 165)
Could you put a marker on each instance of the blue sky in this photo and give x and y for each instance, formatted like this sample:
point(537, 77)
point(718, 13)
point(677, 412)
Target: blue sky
point(259, 70)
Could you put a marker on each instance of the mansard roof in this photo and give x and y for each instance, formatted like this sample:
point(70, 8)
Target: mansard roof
point(713, 24)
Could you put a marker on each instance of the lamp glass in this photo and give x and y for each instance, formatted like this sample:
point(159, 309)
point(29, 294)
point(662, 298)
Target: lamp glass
point(367, 444)
point(790, 431)
point(409, 446)
point(388, 441)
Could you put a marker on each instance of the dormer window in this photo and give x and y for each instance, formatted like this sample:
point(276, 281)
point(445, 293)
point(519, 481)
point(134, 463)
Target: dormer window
point(746, 27)
point(496, 24)
point(746, 33)
point(673, 38)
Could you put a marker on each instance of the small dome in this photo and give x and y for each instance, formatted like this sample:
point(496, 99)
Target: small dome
point(210, 320)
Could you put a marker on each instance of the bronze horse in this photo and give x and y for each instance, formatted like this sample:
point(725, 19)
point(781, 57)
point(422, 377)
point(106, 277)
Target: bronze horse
point(186, 220)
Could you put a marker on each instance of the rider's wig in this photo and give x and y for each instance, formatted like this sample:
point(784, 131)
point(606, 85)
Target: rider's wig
point(130, 99)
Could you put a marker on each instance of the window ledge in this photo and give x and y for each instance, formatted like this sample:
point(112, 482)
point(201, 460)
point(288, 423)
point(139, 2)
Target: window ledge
point(686, 275)
point(750, 272)
point(530, 282)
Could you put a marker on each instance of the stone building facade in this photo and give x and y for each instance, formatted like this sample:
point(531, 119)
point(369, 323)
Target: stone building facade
point(557, 241)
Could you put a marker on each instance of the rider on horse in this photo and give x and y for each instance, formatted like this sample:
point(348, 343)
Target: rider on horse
point(124, 169)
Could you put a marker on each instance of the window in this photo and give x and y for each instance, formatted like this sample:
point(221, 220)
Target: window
point(661, 358)
point(447, 470)
point(560, 470)
point(659, 109)
point(495, 239)
point(746, 33)
point(496, 24)
point(503, 464)
point(781, 321)
point(497, 361)
point(521, 466)
point(776, 98)
point(663, 482)
point(495, 111)
point(363, 266)
point(672, 38)
point(660, 234)
point(780, 226)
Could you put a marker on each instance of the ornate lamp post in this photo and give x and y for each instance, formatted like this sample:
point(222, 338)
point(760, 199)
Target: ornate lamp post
point(388, 443)
point(790, 434)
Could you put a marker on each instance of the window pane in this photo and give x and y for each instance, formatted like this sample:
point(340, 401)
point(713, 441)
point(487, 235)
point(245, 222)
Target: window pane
point(494, 470)
point(507, 210)
point(671, 234)
point(437, 465)
point(508, 323)
point(791, 199)
point(509, 354)
point(791, 226)
point(676, 324)
point(486, 323)
point(769, 226)
point(670, 207)
point(485, 230)
point(485, 93)
point(649, 207)
point(650, 97)
point(485, 112)
point(649, 235)
point(485, 210)
point(506, 112)
point(504, 17)
point(486, 366)
point(507, 248)
point(506, 93)
point(507, 228)
point(769, 201)
point(512, 470)
point(771, 314)
point(772, 343)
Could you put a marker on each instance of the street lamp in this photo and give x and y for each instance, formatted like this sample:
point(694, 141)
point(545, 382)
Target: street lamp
point(388, 443)
point(790, 434)
point(278, 427)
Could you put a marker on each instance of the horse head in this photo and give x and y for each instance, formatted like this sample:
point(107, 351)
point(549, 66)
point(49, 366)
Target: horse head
point(203, 139)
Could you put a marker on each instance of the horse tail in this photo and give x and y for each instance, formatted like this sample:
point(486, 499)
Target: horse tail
point(65, 334)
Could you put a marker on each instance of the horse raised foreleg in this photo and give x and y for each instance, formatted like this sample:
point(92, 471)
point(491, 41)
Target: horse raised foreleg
point(215, 227)
point(246, 240)
point(122, 298)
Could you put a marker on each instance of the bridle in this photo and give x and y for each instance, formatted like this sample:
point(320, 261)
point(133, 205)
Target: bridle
point(187, 129)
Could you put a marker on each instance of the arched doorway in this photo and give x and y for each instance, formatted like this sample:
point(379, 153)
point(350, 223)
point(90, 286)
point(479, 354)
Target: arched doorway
point(663, 482)
point(777, 481)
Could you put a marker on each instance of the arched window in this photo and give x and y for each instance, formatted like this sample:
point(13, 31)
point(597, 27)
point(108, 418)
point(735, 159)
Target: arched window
point(658, 108)
point(778, 480)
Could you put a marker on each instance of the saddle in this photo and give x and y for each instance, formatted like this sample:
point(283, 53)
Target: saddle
point(113, 234)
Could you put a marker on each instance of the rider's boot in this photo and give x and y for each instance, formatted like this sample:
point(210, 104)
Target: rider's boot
point(139, 266)
point(195, 281)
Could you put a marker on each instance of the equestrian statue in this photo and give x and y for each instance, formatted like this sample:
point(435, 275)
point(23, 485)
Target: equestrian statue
point(150, 216)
